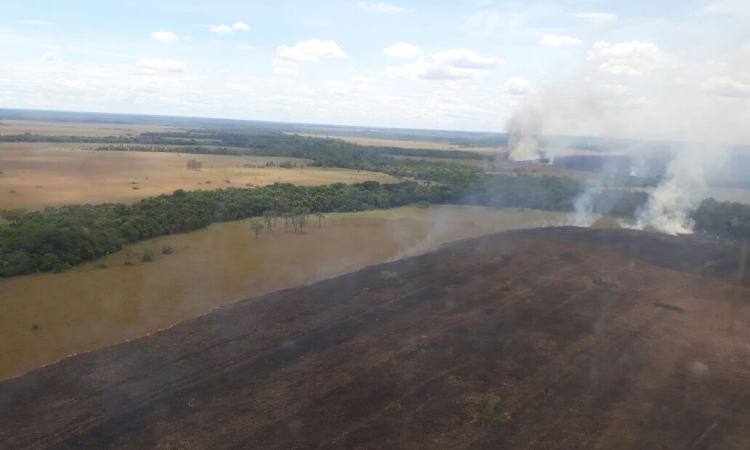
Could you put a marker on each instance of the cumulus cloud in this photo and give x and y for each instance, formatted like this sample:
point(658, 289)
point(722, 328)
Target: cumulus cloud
point(305, 92)
point(402, 50)
point(227, 29)
point(310, 51)
point(283, 67)
point(381, 7)
point(597, 18)
point(364, 87)
point(638, 101)
point(551, 40)
point(725, 7)
point(726, 87)
point(337, 84)
point(239, 87)
point(50, 56)
point(363, 79)
point(164, 36)
point(616, 89)
point(338, 92)
point(36, 22)
point(458, 64)
point(629, 58)
point(163, 65)
point(517, 86)
point(73, 84)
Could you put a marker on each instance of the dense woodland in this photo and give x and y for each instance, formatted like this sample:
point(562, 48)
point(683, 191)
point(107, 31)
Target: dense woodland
point(57, 238)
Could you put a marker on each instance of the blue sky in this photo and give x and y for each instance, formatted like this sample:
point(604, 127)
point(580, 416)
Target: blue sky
point(462, 64)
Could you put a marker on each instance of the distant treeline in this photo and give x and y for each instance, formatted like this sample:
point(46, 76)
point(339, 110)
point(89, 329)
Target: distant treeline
point(257, 142)
point(341, 157)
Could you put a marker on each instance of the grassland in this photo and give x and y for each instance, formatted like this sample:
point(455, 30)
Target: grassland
point(60, 174)
point(78, 128)
point(45, 317)
point(431, 145)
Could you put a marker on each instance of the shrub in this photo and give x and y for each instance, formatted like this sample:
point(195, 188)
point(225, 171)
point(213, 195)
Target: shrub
point(148, 255)
point(167, 250)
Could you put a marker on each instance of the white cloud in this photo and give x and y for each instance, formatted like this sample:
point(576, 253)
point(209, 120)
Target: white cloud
point(50, 56)
point(364, 87)
point(747, 47)
point(402, 50)
point(164, 36)
point(726, 87)
point(597, 18)
point(517, 86)
point(283, 67)
point(496, 24)
point(305, 92)
point(226, 29)
point(629, 58)
point(337, 84)
point(239, 87)
point(363, 79)
point(619, 69)
point(638, 101)
point(73, 84)
point(241, 26)
point(551, 40)
point(616, 89)
point(337, 91)
point(458, 64)
point(381, 7)
point(725, 7)
point(310, 51)
point(164, 65)
point(39, 23)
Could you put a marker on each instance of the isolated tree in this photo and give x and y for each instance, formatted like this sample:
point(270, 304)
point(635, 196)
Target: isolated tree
point(194, 164)
point(268, 219)
point(257, 227)
point(320, 218)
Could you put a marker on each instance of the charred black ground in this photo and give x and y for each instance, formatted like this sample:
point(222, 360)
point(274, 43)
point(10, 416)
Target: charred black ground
point(555, 338)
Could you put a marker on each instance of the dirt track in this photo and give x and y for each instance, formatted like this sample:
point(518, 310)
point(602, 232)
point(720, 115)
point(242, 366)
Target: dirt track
point(591, 338)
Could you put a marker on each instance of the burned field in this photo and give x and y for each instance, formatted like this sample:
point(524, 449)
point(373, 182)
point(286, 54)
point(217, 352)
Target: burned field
point(554, 338)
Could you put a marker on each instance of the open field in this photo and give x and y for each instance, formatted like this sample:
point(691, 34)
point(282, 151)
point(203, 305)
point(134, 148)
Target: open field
point(555, 339)
point(79, 128)
point(61, 174)
point(430, 145)
point(88, 307)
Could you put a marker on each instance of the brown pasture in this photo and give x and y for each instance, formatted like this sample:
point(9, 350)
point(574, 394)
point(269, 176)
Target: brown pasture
point(48, 316)
point(78, 128)
point(61, 174)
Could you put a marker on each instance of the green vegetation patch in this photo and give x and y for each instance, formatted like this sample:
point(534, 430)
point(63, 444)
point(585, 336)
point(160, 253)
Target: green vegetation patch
point(492, 412)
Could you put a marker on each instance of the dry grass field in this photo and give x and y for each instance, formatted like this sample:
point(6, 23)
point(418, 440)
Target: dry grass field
point(45, 317)
point(431, 145)
point(78, 128)
point(60, 174)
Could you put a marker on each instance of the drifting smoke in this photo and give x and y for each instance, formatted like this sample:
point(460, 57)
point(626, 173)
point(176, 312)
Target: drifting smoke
point(686, 171)
point(670, 205)
point(523, 129)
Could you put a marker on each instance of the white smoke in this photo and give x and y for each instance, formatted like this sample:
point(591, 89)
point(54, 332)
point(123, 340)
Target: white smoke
point(583, 207)
point(670, 205)
point(523, 128)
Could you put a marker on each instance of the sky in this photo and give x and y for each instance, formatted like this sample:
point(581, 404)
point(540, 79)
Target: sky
point(656, 68)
